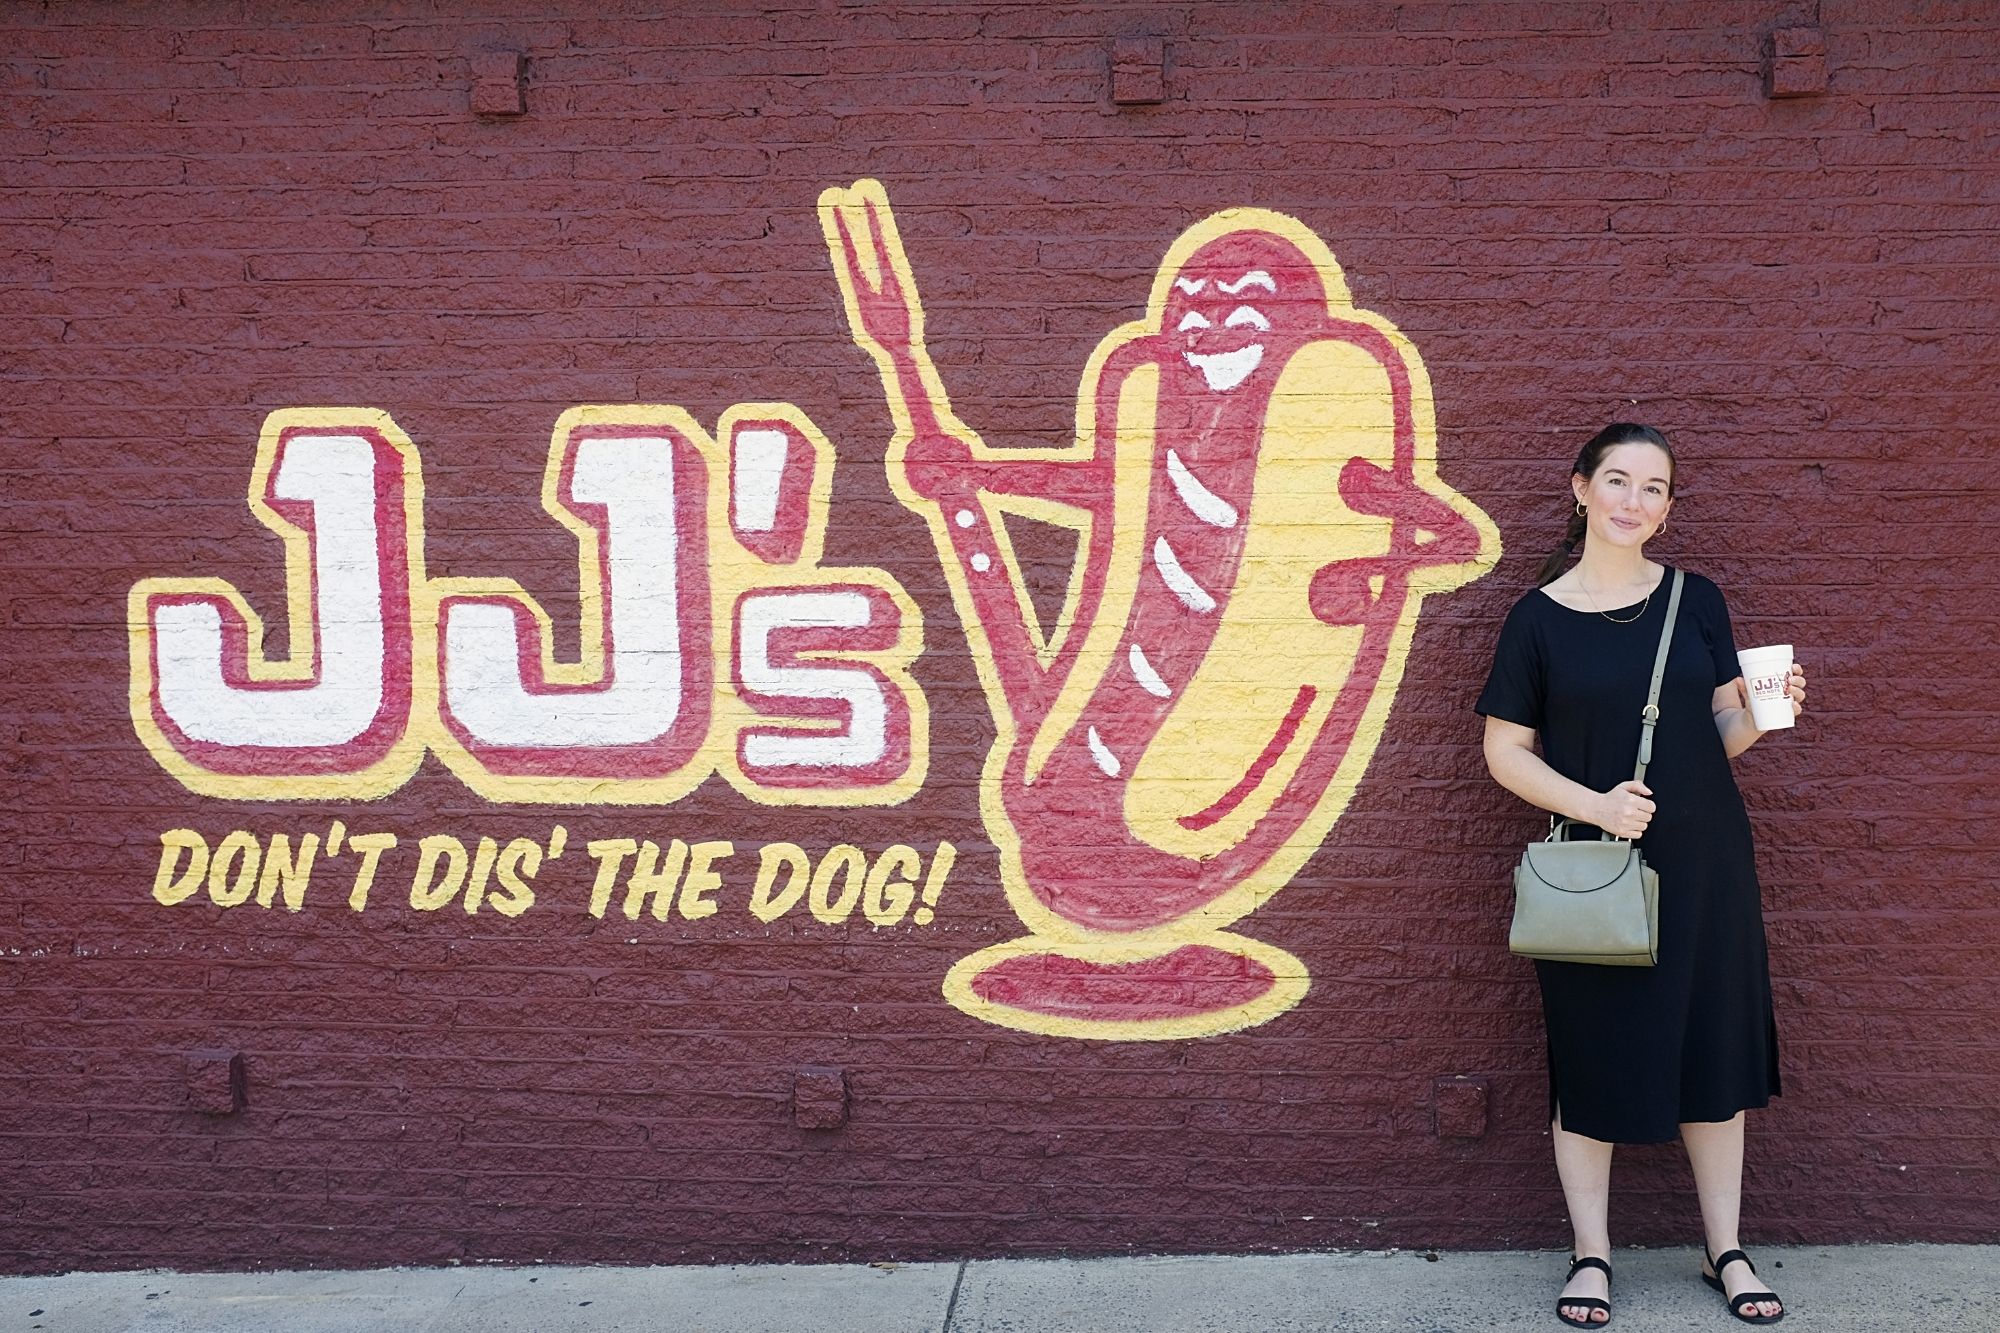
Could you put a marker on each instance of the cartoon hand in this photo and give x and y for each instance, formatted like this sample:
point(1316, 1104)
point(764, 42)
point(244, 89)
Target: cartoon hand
point(1346, 591)
point(861, 234)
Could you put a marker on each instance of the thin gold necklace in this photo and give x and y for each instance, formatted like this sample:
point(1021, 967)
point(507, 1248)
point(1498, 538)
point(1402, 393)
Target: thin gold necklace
point(1607, 615)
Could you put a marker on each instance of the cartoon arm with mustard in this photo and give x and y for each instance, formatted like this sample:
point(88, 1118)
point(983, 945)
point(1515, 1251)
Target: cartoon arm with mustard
point(942, 469)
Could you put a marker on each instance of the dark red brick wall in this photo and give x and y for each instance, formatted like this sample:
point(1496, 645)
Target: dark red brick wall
point(1577, 211)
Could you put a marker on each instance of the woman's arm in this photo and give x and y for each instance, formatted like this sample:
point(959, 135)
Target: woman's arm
point(1623, 812)
point(1731, 706)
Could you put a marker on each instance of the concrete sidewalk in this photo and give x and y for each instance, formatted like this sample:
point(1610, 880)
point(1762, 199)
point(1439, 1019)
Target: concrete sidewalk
point(1937, 1288)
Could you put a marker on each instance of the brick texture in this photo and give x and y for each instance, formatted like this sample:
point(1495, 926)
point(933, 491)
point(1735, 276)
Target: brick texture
point(1579, 210)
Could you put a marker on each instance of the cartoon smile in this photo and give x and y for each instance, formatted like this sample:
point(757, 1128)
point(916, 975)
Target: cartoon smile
point(1226, 370)
point(1224, 367)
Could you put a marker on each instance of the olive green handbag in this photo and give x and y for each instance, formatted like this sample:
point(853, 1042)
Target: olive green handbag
point(1595, 900)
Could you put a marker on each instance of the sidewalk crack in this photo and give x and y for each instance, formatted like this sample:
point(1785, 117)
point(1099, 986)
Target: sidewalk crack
point(951, 1306)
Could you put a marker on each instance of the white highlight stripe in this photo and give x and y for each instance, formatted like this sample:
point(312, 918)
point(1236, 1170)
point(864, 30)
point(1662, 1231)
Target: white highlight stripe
point(1203, 503)
point(1193, 596)
point(1106, 760)
point(1142, 671)
point(1192, 286)
point(1256, 277)
point(757, 475)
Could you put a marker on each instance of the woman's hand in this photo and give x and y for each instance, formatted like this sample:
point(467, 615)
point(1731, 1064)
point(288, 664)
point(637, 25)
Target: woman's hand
point(1795, 686)
point(1625, 809)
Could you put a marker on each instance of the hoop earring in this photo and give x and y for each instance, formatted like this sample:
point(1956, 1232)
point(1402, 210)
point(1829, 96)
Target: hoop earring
point(1662, 528)
point(1579, 509)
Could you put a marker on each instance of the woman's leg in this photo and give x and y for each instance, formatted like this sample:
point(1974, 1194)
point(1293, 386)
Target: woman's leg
point(1585, 1168)
point(1715, 1151)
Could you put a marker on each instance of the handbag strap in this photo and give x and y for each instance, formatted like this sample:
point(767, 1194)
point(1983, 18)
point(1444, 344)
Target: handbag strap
point(1649, 716)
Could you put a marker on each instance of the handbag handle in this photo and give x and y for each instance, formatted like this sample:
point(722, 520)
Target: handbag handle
point(1649, 716)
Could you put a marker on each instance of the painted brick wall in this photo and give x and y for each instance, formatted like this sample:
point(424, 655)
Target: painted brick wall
point(1576, 211)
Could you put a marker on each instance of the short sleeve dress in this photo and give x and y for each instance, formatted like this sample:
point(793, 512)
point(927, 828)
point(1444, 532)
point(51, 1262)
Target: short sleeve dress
point(1635, 1051)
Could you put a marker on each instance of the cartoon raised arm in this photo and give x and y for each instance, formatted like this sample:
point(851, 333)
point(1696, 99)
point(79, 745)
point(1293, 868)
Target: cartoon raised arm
point(883, 312)
point(940, 467)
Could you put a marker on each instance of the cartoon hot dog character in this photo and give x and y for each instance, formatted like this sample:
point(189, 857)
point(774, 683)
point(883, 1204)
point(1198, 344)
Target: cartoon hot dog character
point(1258, 518)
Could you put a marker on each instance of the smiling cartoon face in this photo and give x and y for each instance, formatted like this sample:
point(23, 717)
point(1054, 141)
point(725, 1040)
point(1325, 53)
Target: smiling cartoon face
point(1234, 298)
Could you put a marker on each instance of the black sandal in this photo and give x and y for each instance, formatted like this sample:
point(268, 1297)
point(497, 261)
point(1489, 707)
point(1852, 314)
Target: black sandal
point(1750, 1298)
point(1588, 1302)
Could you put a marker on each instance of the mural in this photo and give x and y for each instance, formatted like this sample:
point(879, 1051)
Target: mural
point(1254, 491)
point(1256, 516)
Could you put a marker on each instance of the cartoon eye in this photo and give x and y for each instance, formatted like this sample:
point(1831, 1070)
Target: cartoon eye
point(1246, 316)
point(1193, 319)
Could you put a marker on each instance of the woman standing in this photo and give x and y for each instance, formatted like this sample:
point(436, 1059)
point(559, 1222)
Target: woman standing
point(1643, 1054)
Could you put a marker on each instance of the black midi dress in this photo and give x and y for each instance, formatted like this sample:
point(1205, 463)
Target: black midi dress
point(1635, 1051)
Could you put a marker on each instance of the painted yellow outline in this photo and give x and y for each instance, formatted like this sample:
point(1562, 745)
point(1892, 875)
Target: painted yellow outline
point(1132, 461)
point(395, 767)
point(1289, 985)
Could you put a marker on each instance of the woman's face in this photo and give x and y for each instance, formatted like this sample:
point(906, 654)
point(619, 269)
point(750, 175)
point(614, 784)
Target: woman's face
point(1627, 498)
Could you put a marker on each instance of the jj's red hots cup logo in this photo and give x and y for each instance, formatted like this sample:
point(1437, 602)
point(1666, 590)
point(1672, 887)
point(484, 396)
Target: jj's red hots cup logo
point(1258, 518)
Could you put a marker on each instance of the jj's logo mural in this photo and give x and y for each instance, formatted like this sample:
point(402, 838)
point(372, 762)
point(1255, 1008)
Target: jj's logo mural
point(1257, 519)
point(799, 693)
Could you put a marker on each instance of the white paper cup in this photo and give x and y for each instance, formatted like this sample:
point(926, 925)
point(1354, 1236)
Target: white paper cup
point(1767, 671)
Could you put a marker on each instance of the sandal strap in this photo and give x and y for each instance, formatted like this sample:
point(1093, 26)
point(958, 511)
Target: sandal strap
point(1721, 1261)
point(1755, 1297)
point(1588, 1261)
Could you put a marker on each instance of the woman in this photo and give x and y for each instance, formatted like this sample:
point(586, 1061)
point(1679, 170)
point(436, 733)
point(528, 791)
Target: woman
point(1637, 1054)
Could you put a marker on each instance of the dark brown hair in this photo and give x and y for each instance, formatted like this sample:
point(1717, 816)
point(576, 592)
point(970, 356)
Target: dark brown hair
point(1587, 462)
